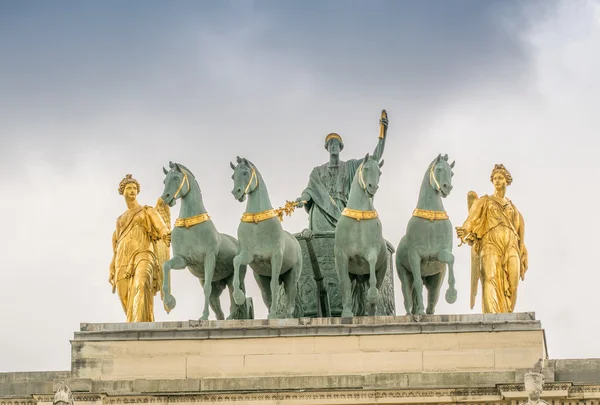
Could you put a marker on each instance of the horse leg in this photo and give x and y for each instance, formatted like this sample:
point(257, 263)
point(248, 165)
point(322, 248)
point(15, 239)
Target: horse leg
point(264, 284)
point(373, 292)
point(215, 298)
point(290, 283)
point(380, 274)
point(177, 263)
point(235, 311)
point(433, 284)
point(276, 263)
point(341, 263)
point(446, 256)
point(209, 272)
point(244, 258)
point(414, 261)
point(406, 282)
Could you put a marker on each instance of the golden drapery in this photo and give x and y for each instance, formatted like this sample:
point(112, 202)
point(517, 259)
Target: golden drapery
point(496, 226)
point(137, 269)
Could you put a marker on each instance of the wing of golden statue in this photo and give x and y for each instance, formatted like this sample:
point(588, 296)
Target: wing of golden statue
point(475, 259)
point(163, 250)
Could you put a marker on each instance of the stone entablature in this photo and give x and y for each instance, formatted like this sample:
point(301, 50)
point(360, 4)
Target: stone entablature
point(475, 359)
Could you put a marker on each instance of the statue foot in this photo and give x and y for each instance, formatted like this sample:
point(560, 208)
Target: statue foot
point(204, 317)
point(169, 302)
point(372, 295)
point(346, 313)
point(239, 297)
point(451, 295)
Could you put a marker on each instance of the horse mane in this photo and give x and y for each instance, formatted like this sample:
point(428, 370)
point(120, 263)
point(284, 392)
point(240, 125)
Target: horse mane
point(186, 169)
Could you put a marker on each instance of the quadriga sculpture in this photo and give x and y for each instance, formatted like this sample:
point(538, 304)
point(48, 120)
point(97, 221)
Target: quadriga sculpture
point(360, 250)
point(198, 246)
point(426, 249)
point(271, 252)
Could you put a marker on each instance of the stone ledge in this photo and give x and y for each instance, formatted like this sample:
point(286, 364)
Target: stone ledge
point(307, 327)
point(507, 381)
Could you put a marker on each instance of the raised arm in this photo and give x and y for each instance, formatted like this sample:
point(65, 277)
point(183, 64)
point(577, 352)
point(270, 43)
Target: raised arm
point(383, 125)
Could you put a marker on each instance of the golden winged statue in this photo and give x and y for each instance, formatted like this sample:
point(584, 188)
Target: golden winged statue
point(141, 243)
point(495, 230)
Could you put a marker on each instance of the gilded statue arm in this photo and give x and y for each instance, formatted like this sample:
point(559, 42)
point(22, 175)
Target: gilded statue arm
point(112, 271)
point(159, 225)
point(464, 233)
point(383, 124)
point(522, 247)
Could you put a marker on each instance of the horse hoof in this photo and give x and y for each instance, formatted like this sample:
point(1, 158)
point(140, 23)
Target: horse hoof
point(451, 295)
point(204, 318)
point(169, 302)
point(346, 313)
point(272, 316)
point(430, 311)
point(372, 295)
point(239, 297)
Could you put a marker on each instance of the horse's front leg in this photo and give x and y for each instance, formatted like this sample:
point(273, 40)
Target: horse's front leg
point(276, 263)
point(446, 256)
point(414, 261)
point(177, 263)
point(209, 272)
point(341, 264)
point(244, 258)
point(373, 292)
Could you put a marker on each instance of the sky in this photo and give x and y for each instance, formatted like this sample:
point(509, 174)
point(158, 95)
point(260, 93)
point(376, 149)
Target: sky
point(91, 91)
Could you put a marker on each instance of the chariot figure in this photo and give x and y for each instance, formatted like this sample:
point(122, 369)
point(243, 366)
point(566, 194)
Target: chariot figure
point(140, 247)
point(326, 194)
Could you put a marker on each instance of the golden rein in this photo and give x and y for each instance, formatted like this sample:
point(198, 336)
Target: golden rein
point(256, 217)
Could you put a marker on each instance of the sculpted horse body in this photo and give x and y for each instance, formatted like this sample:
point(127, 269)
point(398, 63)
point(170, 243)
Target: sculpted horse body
point(272, 253)
point(359, 248)
point(198, 246)
point(426, 249)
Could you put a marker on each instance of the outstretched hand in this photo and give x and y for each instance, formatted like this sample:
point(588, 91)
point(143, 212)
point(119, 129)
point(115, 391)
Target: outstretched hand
point(384, 122)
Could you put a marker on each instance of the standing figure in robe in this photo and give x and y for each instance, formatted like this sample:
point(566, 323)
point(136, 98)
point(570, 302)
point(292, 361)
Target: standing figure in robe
point(495, 230)
point(140, 247)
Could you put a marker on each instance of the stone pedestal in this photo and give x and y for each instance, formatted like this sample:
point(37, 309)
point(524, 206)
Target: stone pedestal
point(306, 347)
point(444, 359)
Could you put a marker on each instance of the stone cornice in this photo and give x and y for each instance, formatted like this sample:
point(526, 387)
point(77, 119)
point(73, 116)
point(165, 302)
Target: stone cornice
point(378, 325)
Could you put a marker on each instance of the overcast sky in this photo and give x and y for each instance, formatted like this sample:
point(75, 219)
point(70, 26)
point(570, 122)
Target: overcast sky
point(91, 91)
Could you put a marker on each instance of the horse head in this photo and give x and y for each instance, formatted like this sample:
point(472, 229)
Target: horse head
point(177, 183)
point(245, 178)
point(440, 175)
point(368, 175)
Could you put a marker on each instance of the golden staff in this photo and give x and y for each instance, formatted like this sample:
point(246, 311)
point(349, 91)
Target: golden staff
point(381, 126)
